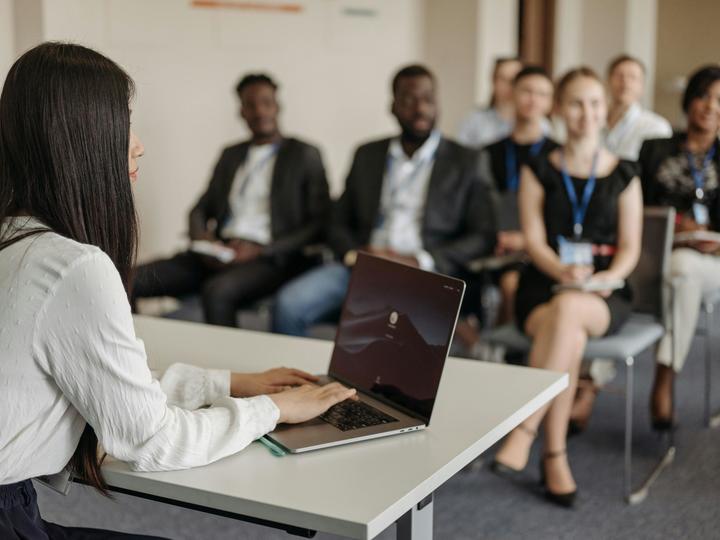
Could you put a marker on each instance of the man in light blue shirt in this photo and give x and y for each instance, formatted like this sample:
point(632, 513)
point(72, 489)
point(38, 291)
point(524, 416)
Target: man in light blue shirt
point(415, 199)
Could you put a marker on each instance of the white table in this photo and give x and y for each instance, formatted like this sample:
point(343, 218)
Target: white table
point(356, 490)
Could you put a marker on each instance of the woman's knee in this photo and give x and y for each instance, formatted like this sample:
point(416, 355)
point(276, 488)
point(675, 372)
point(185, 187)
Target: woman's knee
point(566, 307)
point(683, 262)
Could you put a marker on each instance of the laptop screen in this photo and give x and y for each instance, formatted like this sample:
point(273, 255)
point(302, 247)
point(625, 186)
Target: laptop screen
point(395, 331)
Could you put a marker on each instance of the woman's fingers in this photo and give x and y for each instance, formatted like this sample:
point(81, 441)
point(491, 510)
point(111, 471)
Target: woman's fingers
point(275, 388)
point(332, 387)
point(337, 389)
point(297, 380)
point(304, 375)
point(337, 395)
point(291, 376)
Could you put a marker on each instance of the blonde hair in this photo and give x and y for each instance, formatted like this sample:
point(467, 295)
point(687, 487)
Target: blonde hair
point(572, 75)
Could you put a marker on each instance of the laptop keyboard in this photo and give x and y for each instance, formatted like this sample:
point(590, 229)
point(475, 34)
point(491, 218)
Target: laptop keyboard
point(349, 415)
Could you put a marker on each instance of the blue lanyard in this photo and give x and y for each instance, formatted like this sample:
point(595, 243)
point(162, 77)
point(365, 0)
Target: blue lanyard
point(256, 169)
point(699, 176)
point(512, 175)
point(579, 209)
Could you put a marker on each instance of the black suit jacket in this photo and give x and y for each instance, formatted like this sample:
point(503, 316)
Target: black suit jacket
point(458, 222)
point(299, 199)
point(652, 154)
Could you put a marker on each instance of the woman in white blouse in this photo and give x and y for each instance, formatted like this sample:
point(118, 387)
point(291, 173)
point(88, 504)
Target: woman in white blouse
point(71, 369)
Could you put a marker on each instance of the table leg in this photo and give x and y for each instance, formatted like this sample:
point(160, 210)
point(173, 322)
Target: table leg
point(417, 523)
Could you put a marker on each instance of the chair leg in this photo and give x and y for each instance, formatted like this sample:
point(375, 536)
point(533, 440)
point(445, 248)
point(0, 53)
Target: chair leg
point(629, 394)
point(711, 420)
point(708, 320)
point(668, 456)
point(640, 494)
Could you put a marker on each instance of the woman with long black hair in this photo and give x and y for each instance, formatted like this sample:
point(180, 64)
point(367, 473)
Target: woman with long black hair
point(72, 370)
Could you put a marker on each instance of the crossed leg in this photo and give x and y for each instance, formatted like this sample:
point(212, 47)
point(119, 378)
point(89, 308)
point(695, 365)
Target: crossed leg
point(560, 329)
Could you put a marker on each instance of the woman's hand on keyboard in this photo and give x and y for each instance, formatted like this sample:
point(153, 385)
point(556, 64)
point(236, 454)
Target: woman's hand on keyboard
point(309, 401)
point(268, 382)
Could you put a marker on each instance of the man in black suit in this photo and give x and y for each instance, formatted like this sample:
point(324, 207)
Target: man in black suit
point(414, 199)
point(267, 199)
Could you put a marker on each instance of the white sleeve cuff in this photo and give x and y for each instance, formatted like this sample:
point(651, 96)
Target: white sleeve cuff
point(264, 412)
point(217, 384)
point(190, 387)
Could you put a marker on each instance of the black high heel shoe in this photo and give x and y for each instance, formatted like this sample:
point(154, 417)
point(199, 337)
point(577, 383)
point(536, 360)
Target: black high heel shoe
point(505, 471)
point(566, 500)
point(663, 424)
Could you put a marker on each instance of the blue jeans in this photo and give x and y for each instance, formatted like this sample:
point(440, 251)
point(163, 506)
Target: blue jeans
point(309, 299)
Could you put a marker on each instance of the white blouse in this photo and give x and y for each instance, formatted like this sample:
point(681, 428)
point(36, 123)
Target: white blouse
point(636, 126)
point(69, 355)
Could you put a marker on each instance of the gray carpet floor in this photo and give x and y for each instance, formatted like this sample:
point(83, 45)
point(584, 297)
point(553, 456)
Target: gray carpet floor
point(684, 502)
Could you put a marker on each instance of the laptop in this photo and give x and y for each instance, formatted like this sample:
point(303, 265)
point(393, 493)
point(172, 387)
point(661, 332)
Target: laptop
point(392, 341)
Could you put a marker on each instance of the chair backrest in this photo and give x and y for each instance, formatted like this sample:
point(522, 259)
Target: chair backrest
point(649, 279)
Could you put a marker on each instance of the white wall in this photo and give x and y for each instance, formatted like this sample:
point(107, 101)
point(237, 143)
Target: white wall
point(462, 40)
point(640, 40)
point(687, 38)
point(567, 46)
point(603, 32)
point(593, 32)
point(28, 21)
point(497, 35)
point(451, 52)
point(334, 61)
point(7, 38)
point(334, 69)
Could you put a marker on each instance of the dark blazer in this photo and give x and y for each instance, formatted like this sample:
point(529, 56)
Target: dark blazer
point(652, 154)
point(299, 199)
point(458, 222)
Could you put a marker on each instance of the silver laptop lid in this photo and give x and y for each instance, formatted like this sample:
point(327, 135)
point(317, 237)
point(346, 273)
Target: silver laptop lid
point(394, 334)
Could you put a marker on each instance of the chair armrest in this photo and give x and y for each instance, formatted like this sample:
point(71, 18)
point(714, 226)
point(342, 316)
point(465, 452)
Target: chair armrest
point(319, 250)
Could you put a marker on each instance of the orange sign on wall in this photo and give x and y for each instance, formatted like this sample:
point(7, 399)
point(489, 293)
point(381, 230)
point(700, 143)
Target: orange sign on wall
point(250, 6)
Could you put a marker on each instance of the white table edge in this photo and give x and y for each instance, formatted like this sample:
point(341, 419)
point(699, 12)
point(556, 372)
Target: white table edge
point(322, 523)
point(392, 514)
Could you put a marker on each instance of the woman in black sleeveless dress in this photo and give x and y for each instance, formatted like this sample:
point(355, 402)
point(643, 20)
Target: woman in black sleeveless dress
point(581, 214)
point(600, 227)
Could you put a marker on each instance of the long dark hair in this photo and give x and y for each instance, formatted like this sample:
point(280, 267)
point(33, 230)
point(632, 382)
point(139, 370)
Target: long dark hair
point(64, 139)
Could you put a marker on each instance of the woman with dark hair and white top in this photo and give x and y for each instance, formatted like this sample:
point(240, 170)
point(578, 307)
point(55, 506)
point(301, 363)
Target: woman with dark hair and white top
point(683, 171)
point(581, 214)
point(73, 371)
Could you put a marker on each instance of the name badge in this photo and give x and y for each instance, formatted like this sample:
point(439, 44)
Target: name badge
point(575, 253)
point(700, 214)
